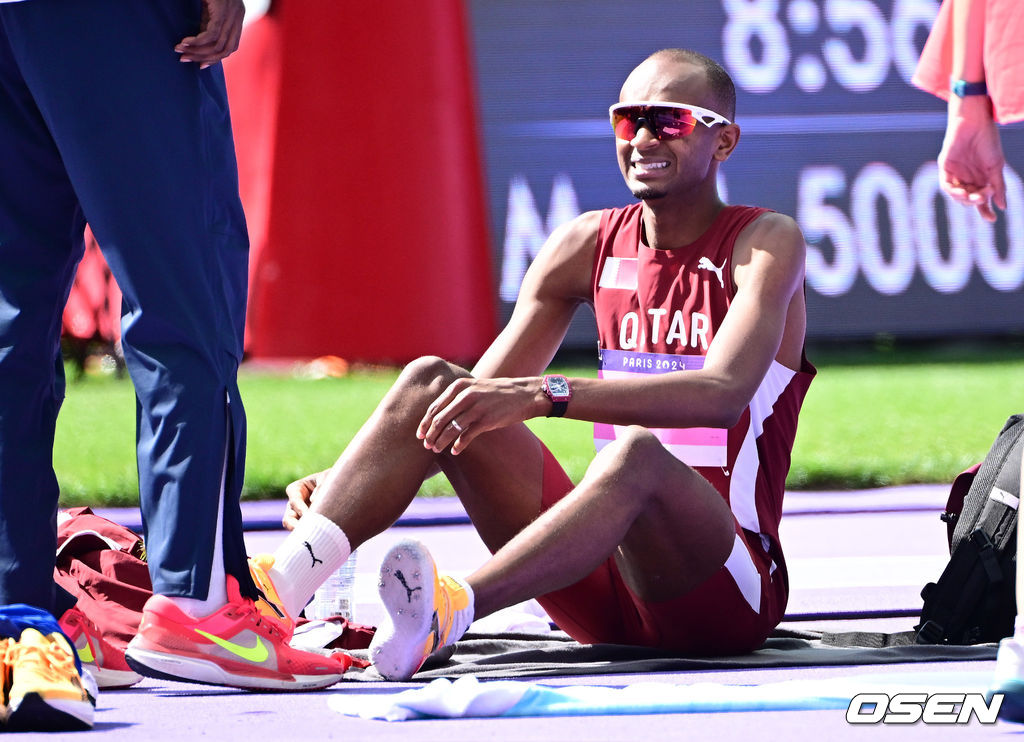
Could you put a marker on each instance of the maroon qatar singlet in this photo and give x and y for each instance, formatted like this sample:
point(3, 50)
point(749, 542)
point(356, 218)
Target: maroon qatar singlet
point(658, 311)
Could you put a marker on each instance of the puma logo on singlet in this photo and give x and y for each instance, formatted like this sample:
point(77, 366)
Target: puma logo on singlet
point(706, 264)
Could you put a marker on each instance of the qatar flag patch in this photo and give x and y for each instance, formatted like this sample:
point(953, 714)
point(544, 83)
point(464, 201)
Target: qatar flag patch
point(619, 273)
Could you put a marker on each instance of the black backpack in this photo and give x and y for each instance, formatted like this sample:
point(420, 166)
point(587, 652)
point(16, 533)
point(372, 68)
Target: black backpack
point(974, 600)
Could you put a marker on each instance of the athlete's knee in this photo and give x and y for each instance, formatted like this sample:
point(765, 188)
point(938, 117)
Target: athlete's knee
point(431, 373)
point(635, 442)
point(631, 454)
point(422, 380)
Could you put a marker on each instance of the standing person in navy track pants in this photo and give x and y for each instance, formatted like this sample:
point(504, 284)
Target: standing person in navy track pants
point(116, 114)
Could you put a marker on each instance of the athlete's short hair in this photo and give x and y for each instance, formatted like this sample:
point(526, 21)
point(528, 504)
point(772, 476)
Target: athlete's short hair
point(722, 88)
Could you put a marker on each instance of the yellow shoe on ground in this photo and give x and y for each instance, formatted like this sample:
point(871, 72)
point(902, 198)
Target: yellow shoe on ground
point(44, 691)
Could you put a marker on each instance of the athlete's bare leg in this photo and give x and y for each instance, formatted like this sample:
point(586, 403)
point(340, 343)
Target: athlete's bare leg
point(666, 525)
point(378, 474)
point(668, 528)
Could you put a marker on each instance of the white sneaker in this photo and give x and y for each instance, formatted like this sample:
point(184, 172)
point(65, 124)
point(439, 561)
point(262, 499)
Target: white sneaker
point(1009, 679)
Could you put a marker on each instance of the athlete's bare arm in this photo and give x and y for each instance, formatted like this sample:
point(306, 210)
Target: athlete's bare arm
point(767, 318)
point(557, 282)
point(505, 388)
point(765, 322)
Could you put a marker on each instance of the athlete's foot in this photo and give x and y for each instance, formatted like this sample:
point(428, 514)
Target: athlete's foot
point(424, 612)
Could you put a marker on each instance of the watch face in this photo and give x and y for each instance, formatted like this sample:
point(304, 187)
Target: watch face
point(558, 386)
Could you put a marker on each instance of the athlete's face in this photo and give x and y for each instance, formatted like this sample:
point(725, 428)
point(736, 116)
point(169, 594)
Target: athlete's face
point(656, 168)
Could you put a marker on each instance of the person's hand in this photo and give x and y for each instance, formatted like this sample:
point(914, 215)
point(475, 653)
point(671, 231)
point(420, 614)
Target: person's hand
point(219, 32)
point(971, 161)
point(470, 407)
point(300, 495)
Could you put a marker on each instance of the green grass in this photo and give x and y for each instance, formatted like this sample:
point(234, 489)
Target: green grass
point(903, 418)
point(873, 417)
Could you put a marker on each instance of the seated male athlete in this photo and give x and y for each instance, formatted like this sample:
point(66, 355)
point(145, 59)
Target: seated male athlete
point(671, 538)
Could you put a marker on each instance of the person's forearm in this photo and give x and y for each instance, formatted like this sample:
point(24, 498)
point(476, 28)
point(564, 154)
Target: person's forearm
point(968, 40)
point(969, 61)
point(685, 399)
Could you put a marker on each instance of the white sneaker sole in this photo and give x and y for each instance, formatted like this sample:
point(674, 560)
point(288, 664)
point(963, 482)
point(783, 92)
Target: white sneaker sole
point(406, 588)
point(193, 670)
point(107, 679)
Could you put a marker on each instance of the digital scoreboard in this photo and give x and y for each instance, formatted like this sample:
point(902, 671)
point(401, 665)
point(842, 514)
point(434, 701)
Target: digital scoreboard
point(832, 133)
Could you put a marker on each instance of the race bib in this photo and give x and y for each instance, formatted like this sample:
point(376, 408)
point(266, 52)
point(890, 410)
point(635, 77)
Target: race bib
point(693, 446)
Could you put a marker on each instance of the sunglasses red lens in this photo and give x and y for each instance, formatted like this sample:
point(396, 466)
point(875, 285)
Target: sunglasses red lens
point(662, 122)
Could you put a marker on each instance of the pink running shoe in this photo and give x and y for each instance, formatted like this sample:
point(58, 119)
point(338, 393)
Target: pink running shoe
point(100, 657)
point(236, 646)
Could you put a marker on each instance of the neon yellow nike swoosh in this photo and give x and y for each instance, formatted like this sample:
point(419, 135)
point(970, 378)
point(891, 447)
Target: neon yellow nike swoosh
point(256, 653)
point(85, 654)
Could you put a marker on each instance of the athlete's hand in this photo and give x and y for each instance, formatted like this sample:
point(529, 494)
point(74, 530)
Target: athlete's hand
point(470, 407)
point(971, 161)
point(300, 495)
point(219, 32)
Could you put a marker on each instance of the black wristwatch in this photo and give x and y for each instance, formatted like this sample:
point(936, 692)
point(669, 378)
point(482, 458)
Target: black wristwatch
point(962, 88)
point(559, 392)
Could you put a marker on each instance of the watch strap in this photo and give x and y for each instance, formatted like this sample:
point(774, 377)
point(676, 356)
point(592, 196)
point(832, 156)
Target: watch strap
point(962, 88)
point(558, 408)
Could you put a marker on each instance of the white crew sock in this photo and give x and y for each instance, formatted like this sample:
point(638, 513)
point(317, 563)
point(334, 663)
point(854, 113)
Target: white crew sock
point(307, 557)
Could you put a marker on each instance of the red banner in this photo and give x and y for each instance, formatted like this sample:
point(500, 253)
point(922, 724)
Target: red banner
point(356, 132)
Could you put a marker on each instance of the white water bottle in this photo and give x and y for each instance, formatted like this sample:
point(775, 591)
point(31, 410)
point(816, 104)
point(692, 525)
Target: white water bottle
point(336, 596)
